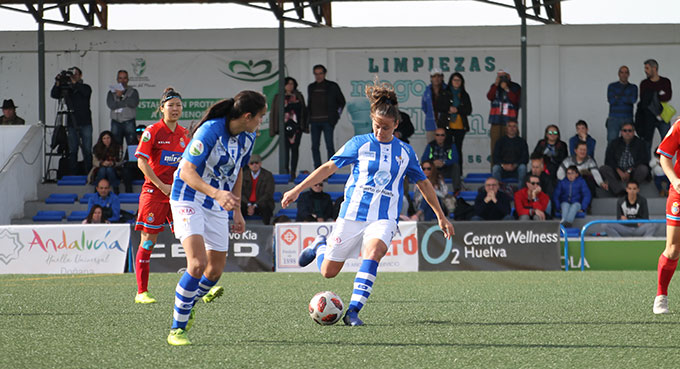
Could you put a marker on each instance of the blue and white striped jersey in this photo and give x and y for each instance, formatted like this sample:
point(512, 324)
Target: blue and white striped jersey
point(375, 188)
point(218, 157)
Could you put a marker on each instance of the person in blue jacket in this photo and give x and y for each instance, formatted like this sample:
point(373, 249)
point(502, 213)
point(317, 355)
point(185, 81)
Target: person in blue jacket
point(572, 195)
point(109, 201)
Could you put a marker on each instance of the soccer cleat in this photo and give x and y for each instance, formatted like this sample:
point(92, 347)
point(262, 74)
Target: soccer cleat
point(309, 254)
point(144, 298)
point(190, 322)
point(661, 305)
point(178, 337)
point(214, 293)
point(352, 319)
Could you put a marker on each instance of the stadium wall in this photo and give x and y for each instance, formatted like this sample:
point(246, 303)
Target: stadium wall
point(569, 69)
point(21, 170)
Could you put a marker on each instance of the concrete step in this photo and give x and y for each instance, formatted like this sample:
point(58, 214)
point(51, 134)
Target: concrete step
point(32, 207)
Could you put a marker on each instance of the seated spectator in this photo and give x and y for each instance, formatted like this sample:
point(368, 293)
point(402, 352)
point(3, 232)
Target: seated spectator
point(538, 169)
point(586, 166)
point(510, 155)
point(257, 190)
point(107, 158)
point(531, 203)
point(552, 148)
point(626, 158)
point(314, 205)
point(582, 135)
point(630, 207)
point(108, 201)
point(423, 209)
point(130, 168)
point(444, 155)
point(571, 195)
point(95, 216)
point(492, 204)
point(9, 114)
point(660, 180)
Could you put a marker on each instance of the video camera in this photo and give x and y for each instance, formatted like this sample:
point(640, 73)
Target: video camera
point(504, 78)
point(64, 78)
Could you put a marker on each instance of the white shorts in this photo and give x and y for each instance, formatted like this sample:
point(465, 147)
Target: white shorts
point(191, 219)
point(348, 237)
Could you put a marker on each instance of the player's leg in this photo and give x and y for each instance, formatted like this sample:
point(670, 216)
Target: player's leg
point(216, 238)
point(374, 250)
point(142, 266)
point(668, 260)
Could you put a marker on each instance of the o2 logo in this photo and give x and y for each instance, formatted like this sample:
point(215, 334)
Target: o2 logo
point(448, 248)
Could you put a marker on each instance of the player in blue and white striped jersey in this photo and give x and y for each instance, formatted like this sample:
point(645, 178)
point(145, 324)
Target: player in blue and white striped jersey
point(206, 185)
point(373, 199)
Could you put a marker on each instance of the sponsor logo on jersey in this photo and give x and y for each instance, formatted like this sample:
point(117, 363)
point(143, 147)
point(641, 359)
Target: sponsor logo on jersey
point(163, 142)
point(146, 136)
point(368, 155)
point(186, 211)
point(170, 158)
point(196, 148)
point(675, 209)
point(382, 178)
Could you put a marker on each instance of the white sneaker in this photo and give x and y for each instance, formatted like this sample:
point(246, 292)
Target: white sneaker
point(661, 305)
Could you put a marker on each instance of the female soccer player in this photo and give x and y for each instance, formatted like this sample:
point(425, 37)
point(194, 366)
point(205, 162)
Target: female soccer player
point(158, 154)
point(669, 258)
point(207, 184)
point(373, 199)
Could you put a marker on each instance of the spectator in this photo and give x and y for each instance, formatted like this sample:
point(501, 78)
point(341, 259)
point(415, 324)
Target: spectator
point(538, 169)
point(505, 99)
point(95, 216)
point(9, 114)
point(630, 207)
point(315, 205)
point(428, 102)
point(460, 108)
point(582, 135)
point(107, 160)
point(257, 191)
point(571, 195)
point(123, 100)
point(626, 158)
point(70, 87)
point(621, 95)
point(492, 204)
point(553, 149)
point(586, 165)
point(444, 156)
point(108, 201)
point(531, 203)
point(511, 155)
point(423, 209)
point(405, 128)
point(130, 169)
point(653, 91)
point(326, 102)
point(295, 122)
point(660, 180)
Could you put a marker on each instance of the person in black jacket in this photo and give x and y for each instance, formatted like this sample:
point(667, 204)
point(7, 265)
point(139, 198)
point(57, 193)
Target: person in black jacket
point(315, 205)
point(325, 104)
point(492, 204)
point(510, 155)
point(459, 110)
point(405, 128)
point(626, 158)
point(69, 86)
point(553, 149)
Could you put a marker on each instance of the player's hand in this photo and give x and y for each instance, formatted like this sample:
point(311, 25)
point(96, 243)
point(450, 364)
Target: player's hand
point(289, 197)
point(446, 227)
point(239, 224)
point(676, 185)
point(166, 188)
point(227, 200)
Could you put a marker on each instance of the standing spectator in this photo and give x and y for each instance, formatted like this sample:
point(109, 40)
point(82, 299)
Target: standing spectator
point(95, 216)
point(9, 114)
point(108, 201)
point(505, 99)
point(586, 165)
point(460, 108)
point(653, 91)
point(123, 100)
point(553, 149)
point(314, 205)
point(630, 207)
point(130, 169)
point(531, 203)
point(257, 194)
point(582, 135)
point(76, 94)
point(431, 96)
point(444, 156)
point(571, 195)
point(621, 95)
point(538, 169)
point(405, 128)
point(492, 204)
point(107, 160)
point(626, 158)
point(423, 210)
point(295, 122)
point(511, 155)
point(326, 102)
point(660, 180)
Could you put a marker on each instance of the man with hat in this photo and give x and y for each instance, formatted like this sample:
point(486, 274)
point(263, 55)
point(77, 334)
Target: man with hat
point(257, 190)
point(9, 114)
point(431, 96)
point(505, 102)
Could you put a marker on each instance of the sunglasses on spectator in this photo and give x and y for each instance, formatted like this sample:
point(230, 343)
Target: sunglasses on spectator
point(626, 130)
point(553, 133)
point(318, 185)
point(439, 134)
point(254, 162)
point(427, 168)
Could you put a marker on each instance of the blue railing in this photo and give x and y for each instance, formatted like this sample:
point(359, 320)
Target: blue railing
point(566, 247)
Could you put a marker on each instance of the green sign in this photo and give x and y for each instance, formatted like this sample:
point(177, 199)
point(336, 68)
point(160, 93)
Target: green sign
point(612, 254)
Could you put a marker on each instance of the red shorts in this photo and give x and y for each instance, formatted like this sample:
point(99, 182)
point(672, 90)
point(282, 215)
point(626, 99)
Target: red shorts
point(153, 213)
point(673, 208)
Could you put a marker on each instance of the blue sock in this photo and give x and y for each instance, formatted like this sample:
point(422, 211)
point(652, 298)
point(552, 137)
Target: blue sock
point(204, 285)
point(363, 284)
point(320, 255)
point(185, 292)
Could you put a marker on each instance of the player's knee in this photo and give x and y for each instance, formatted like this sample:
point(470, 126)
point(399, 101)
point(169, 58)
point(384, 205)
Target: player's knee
point(196, 267)
point(328, 273)
point(148, 245)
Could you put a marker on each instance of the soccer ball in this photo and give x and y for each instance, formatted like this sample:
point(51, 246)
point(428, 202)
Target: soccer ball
point(326, 308)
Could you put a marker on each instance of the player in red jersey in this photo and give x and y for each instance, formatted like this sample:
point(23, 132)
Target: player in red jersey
point(158, 155)
point(669, 147)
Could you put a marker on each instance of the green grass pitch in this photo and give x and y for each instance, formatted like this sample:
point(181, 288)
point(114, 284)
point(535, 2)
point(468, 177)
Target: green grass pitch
point(413, 320)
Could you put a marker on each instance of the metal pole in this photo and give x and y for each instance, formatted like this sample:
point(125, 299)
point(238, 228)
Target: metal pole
point(283, 153)
point(41, 82)
point(523, 97)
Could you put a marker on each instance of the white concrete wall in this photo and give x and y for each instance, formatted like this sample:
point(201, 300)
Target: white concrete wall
point(20, 176)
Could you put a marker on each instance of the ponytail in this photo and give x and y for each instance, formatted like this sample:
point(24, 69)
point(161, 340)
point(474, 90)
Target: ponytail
point(383, 100)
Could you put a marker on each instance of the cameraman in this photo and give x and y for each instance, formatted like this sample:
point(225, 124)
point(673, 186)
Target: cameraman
point(76, 94)
point(505, 98)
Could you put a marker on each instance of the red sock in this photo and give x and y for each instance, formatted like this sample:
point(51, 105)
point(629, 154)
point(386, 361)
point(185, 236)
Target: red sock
point(142, 269)
point(665, 270)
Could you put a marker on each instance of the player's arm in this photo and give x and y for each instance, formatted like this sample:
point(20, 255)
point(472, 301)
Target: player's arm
point(321, 173)
point(430, 196)
point(667, 165)
point(189, 175)
point(239, 224)
point(143, 165)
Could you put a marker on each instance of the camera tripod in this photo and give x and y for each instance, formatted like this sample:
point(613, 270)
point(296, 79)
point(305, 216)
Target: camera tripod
point(59, 141)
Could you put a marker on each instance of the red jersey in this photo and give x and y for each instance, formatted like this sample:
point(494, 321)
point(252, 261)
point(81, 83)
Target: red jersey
point(670, 145)
point(163, 149)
